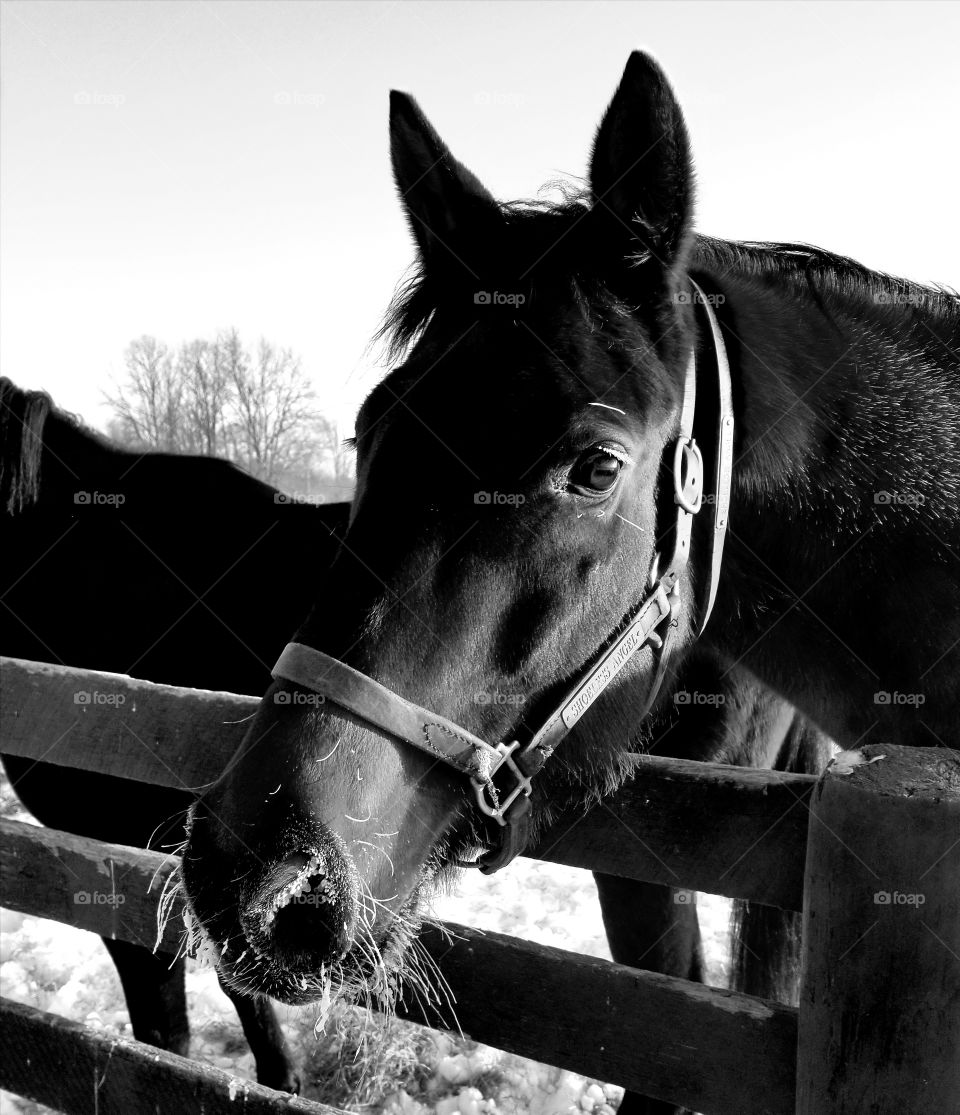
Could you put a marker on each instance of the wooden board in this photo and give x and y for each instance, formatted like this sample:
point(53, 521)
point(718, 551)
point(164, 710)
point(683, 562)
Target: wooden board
point(108, 889)
point(715, 1051)
point(880, 1001)
point(704, 826)
point(114, 724)
point(701, 826)
point(82, 1072)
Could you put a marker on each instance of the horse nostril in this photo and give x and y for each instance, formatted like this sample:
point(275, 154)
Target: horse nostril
point(297, 876)
point(299, 908)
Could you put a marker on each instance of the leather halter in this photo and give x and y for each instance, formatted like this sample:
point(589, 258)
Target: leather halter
point(650, 622)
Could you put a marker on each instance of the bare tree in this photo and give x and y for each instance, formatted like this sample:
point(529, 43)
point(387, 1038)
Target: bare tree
point(148, 405)
point(204, 369)
point(275, 409)
point(333, 451)
point(258, 408)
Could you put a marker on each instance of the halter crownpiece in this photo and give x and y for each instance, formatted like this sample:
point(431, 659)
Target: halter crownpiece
point(650, 622)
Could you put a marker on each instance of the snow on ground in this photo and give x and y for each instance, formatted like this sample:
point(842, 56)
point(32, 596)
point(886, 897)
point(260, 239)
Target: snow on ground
point(68, 972)
point(558, 906)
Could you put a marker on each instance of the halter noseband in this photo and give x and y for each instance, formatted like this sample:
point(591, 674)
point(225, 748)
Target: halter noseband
point(650, 622)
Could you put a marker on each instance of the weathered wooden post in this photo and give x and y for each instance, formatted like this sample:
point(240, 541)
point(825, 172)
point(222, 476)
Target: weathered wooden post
point(879, 1027)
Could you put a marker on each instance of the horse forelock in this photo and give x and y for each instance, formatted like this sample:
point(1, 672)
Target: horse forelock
point(537, 247)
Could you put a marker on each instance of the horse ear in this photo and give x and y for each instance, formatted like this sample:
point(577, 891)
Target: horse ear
point(446, 205)
point(640, 172)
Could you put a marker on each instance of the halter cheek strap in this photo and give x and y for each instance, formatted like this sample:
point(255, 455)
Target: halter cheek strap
point(374, 703)
point(723, 459)
point(649, 623)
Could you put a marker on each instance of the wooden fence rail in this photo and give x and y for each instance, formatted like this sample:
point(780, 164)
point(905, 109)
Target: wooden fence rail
point(880, 828)
point(719, 829)
point(71, 1068)
point(501, 985)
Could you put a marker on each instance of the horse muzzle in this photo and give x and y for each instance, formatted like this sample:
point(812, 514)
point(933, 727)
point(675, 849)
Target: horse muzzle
point(277, 920)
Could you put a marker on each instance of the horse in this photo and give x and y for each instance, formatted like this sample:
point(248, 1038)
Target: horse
point(50, 462)
point(518, 470)
point(143, 563)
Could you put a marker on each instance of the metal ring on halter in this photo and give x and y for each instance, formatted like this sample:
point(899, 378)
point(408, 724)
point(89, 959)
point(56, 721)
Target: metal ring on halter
point(688, 489)
point(497, 807)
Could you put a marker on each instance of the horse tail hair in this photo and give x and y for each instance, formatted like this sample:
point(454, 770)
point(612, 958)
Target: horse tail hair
point(23, 415)
point(765, 941)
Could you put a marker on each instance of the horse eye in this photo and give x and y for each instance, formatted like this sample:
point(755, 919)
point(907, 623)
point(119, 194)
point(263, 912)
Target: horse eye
point(596, 471)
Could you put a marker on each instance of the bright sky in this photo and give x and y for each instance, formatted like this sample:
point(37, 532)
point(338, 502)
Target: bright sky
point(178, 167)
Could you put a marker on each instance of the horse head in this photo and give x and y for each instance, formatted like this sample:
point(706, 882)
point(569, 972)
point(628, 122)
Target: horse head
point(509, 490)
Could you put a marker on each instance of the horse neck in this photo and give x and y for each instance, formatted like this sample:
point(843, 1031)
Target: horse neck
point(75, 459)
point(833, 407)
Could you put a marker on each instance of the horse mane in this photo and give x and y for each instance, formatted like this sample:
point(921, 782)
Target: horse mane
point(23, 419)
point(820, 272)
point(23, 414)
point(814, 270)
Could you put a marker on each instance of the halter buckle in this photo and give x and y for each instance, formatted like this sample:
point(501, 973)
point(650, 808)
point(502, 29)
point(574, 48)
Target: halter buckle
point(688, 475)
point(489, 799)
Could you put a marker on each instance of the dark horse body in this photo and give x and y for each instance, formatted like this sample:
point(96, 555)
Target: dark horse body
point(144, 564)
point(545, 349)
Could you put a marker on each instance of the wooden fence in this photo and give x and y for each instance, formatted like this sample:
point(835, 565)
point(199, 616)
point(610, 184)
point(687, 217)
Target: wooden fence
point(870, 854)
